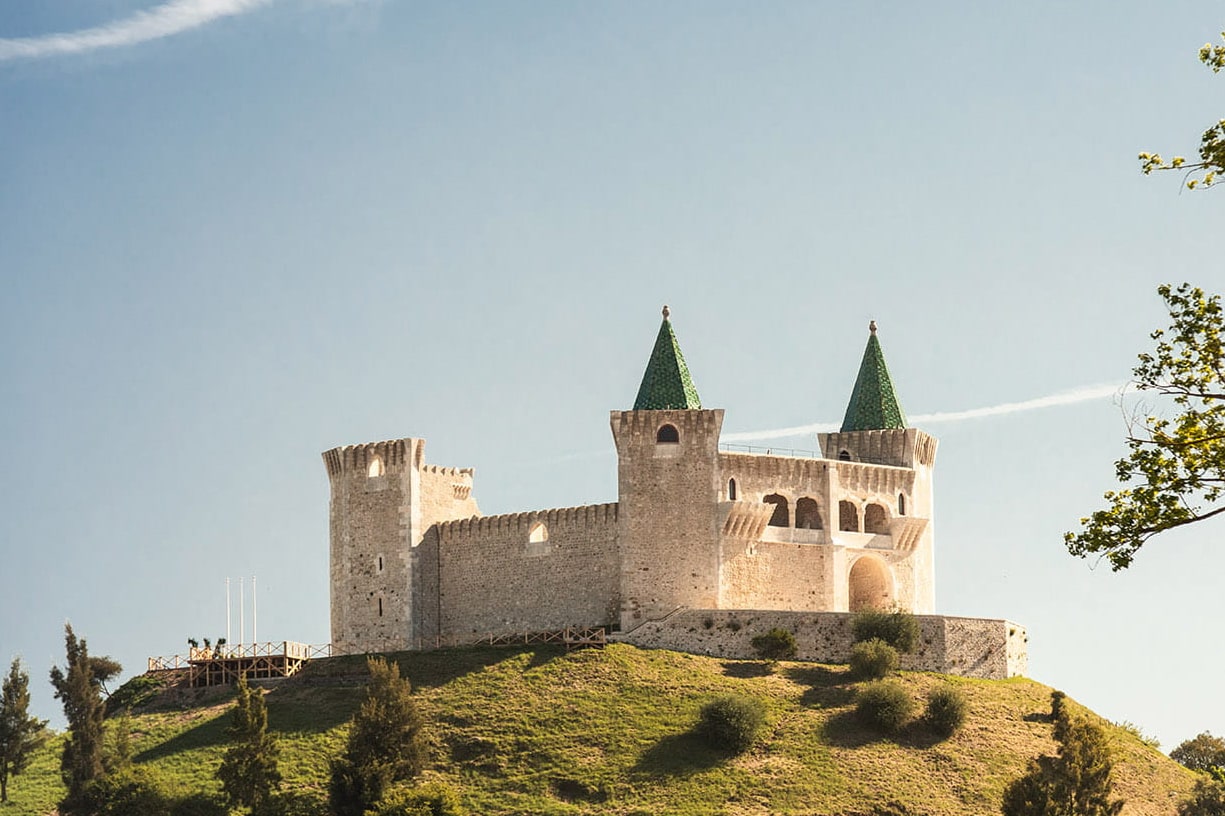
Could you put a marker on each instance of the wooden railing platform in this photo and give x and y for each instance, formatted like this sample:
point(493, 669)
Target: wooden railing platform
point(222, 665)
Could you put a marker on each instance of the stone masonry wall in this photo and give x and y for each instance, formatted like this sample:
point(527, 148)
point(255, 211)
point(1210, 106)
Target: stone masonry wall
point(492, 578)
point(771, 575)
point(970, 647)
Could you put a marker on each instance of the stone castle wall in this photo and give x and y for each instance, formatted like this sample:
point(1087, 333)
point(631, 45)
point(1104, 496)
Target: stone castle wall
point(970, 647)
point(773, 575)
point(508, 574)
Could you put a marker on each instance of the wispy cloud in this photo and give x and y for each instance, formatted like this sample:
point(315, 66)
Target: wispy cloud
point(1082, 394)
point(173, 17)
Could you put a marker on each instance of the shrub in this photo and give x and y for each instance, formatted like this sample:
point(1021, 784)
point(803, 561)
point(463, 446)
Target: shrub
point(946, 710)
point(777, 644)
point(731, 723)
point(899, 629)
point(430, 799)
point(873, 659)
point(884, 705)
point(134, 791)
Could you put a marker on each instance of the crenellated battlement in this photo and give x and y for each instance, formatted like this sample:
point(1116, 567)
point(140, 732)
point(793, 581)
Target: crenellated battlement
point(393, 454)
point(898, 447)
point(521, 524)
point(640, 426)
point(776, 468)
point(883, 480)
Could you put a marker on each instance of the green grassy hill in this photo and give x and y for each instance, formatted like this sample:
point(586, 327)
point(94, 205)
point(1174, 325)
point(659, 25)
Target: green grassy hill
point(539, 731)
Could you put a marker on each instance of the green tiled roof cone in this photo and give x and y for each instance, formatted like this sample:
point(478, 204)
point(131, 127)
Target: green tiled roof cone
point(666, 382)
point(873, 404)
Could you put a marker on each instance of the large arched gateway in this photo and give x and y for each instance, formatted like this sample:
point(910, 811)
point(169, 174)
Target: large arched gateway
point(871, 585)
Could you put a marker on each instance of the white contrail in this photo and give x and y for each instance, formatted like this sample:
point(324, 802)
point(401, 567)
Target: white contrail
point(1082, 394)
point(170, 18)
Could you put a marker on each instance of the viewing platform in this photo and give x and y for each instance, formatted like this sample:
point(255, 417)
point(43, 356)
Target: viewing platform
point(223, 665)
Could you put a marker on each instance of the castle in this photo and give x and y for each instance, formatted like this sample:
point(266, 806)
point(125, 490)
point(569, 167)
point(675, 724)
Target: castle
point(704, 546)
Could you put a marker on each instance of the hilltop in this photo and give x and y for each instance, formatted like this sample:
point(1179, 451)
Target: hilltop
point(540, 731)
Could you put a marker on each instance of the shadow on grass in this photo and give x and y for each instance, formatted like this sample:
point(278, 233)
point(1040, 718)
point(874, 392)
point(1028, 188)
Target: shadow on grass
point(205, 734)
point(846, 731)
point(825, 688)
point(313, 711)
point(427, 669)
point(677, 755)
point(746, 669)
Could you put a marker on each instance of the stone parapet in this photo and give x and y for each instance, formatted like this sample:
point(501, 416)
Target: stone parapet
point(970, 647)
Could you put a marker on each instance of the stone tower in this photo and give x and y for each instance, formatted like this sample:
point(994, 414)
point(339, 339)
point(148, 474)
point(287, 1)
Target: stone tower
point(384, 499)
point(874, 433)
point(667, 478)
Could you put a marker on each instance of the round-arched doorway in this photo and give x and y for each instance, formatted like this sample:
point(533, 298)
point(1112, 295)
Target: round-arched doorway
point(871, 585)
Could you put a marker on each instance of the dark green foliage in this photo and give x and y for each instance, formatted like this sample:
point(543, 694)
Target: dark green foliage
point(1203, 753)
point(430, 799)
point(133, 791)
point(1208, 799)
point(899, 629)
point(248, 772)
point(385, 743)
point(777, 644)
point(20, 734)
point(884, 705)
point(731, 723)
point(873, 659)
point(1074, 781)
point(946, 710)
point(1174, 472)
point(81, 695)
point(134, 693)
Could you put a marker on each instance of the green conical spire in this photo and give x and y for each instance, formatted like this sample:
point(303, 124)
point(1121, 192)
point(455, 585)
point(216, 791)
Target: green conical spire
point(666, 382)
point(873, 404)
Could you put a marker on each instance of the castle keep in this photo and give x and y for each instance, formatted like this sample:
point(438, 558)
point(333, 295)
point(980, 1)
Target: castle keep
point(704, 546)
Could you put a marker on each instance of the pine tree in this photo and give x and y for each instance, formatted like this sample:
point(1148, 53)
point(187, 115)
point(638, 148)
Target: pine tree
point(20, 734)
point(384, 746)
point(1074, 782)
point(81, 695)
point(248, 773)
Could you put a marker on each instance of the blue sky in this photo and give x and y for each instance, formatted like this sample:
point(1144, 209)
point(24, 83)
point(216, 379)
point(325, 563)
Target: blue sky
point(297, 224)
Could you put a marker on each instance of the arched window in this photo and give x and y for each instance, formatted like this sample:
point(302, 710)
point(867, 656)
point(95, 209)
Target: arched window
point(668, 434)
point(731, 489)
point(901, 504)
point(870, 585)
point(807, 514)
point(537, 533)
point(848, 517)
point(376, 467)
point(845, 456)
point(875, 519)
point(782, 510)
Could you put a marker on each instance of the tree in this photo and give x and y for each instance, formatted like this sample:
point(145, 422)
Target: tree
point(248, 773)
point(385, 742)
point(777, 644)
point(80, 691)
point(1203, 753)
point(20, 734)
point(1174, 474)
point(1076, 781)
point(1212, 143)
point(1207, 799)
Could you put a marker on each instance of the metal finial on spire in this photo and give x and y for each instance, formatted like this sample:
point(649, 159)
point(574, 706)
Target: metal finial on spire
point(871, 325)
point(667, 311)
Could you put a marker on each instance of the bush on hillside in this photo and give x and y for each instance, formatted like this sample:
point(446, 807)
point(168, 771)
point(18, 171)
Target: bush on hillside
point(430, 799)
point(884, 705)
point(873, 659)
point(777, 644)
point(946, 710)
point(899, 629)
point(731, 723)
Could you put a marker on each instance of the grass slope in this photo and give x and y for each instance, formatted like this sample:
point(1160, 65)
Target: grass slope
point(608, 731)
